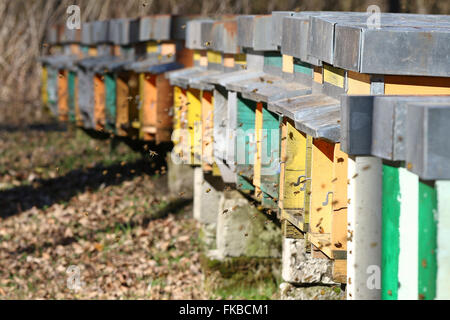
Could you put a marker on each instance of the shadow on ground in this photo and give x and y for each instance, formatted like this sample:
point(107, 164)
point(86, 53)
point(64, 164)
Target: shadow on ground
point(172, 207)
point(45, 192)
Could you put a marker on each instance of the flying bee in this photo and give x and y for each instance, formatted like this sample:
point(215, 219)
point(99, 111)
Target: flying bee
point(153, 153)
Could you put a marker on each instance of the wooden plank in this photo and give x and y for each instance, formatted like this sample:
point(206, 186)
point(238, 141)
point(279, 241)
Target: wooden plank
point(214, 57)
point(340, 270)
point(427, 262)
point(318, 75)
point(288, 64)
point(290, 231)
point(240, 59)
point(133, 106)
point(177, 97)
point(283, 159)
point(185, 56)
point(78, 118)
point(110, 109)
point(258, 154)
point(245, 143)
point(194, 111)
point(184, 138)
point(333, 75)
point(99, 102)
point(303, 67)
point(168, 49)
point(443, 240)
point(339, 214)
point(408, 231)
point(308, 166)
point(207, 130)
point(92, 51)
point(44, 94)
point(358, 83)
point(390, 237)
point(273, 58)
point(122, 94)
point(228, 60)
point(148, 106)
point(294, 168)
point(63, 96)
point(71, 95)
point(414, 85)
point(164, 119)
point(321, 195)
point(52, 90)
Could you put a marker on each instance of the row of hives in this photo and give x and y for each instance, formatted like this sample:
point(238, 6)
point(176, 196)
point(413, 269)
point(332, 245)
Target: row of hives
point(336, 122)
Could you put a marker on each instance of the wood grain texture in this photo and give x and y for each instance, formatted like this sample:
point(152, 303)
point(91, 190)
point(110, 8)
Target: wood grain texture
point(414, 85)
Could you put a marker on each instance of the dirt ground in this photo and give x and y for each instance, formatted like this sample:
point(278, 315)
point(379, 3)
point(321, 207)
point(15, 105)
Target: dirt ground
point(82, 220)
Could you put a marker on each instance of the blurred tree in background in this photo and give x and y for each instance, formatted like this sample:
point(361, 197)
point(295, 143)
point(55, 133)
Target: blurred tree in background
point(23, 24)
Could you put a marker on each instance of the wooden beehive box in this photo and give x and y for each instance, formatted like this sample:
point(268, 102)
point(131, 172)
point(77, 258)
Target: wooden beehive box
point(156, 118)
point(245, 143)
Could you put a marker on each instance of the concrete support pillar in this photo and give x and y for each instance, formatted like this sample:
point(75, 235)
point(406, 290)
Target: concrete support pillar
point(208, 190)
point(180, 179)
point(243, 231)
point(300, 267)
point(292, 292)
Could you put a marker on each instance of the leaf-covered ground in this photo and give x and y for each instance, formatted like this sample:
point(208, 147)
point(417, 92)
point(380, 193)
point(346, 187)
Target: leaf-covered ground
point(80, 220)
point(66, 200)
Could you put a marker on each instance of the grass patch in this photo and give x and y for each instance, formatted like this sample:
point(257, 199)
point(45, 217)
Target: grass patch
point(242, 278)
